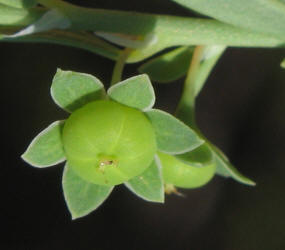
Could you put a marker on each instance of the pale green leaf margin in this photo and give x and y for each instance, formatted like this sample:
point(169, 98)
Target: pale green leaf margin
point(169, 137)
point(226, 169)
point(80, 196)
point(136, 92)
point(149, 185)
point(45, 145)
point(70, 93)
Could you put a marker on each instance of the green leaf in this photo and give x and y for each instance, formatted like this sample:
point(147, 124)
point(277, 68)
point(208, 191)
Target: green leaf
point(82, 197)
point(52, 19)
point(136, 92)
point(257, 15)
point(82, 40)
point(199, 157)
point(46, 149)
point(172, 135)
point(71, 90)
point(149, 186)
point(169, 66)
point(166, 31)
point(15, 16)
point(19, 3)
point(226, 169)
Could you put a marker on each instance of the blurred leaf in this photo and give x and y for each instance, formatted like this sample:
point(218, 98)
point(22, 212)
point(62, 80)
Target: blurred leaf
point(14, 16)
point(172, 135)
point(199, 157)
point(226, 169)
point(82, 40)
point(46, 149)
point(19, 3)
point(72, 90)
point(149, 186)
point(169, 66)
point(82, 197)
point(136, 92)
point(211, 54)
point(283, 63)
point(258, 15)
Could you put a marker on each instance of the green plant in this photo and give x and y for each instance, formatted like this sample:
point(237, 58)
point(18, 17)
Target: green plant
point(116, 137)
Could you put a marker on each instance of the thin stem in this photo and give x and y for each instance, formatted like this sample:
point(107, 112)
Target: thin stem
point(119, 66)
point(186, 106)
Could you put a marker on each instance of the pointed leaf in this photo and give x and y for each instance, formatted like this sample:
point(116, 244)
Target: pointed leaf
point(46, 149)
point(172, 135)
point(149, 186)
point(226, 169)
point(71, 90)
point(136, 92)
point(19, 3)
point(169, 66)
point(82, 197)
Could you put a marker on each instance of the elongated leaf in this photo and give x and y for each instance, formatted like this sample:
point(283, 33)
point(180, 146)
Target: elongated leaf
point(226, 169)
point(19, 3)
point(82, 197)
point(72, 90)
point(136, 92)
point(50, 20)
point(258, 15)
point(167, 31)
point(169, 66)
point(46, 149)
point(172, 135)
point(149, 186)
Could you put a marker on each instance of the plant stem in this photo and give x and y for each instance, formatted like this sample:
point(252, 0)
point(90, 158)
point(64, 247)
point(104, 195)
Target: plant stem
point(119, 66)
point(186, 107)
point(203, 61)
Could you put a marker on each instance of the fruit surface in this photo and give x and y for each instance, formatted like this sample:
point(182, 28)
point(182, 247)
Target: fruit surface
point(108, 143)
point(184, 175)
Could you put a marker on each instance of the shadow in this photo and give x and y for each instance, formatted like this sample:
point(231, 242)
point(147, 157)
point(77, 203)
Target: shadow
point(90, 97)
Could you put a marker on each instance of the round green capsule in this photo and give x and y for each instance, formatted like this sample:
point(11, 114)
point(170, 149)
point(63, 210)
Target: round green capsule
point(108, 143)
point(180, 174)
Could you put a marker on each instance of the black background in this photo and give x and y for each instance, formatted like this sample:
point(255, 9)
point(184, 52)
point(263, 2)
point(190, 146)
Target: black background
point(241, 109)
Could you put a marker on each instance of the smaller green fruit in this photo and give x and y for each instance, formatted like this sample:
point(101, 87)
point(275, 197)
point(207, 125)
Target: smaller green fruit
point(184, 175)
point(108, 143)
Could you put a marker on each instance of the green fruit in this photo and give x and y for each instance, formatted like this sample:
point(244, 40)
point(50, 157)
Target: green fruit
point(108, 143)
point(184, 175)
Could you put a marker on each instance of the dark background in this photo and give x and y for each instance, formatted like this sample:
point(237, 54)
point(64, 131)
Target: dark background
point(241, 109)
